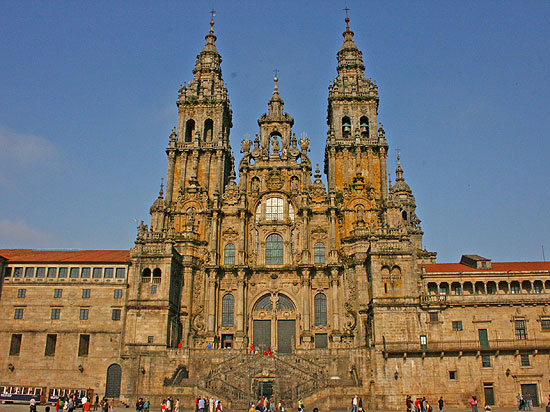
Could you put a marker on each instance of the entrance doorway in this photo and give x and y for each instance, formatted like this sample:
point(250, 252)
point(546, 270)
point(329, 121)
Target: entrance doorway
point(112, 386)
point(274, 323)
point(489, 393)
point(285, 335)
point(265, 389)
point(530, 393)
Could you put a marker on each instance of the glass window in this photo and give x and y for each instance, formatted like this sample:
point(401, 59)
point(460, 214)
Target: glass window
point(84, 314)
point(108, 273)
point(284, 303)
point(264, 303)
point(115, 315)
point(7, 272)
point(423, 342)
point(51, 340)
point(290, 211)
point(21, 293)
point(85, 293)
point(153, 289)
point(515, 288)
point(73, 274)
point(521, 333)
point(29, 272)
point(457, 325)
point(545, 324)
point(40, 272)
point(83, 345)
point(486, 361)
point(228, 306)
point(85, 273)
point(56, 312)
point(96, 273)
point(525, 360)
point(452, 375)
point(118, 293)
point(57, 293)
point(18, 314)
point(150, 339)
point(15, 346)
point(434, 316)
point(62, 272)
point(274, 208)
point(321, 341)
point(319, 253)
point(17, 272)
point(120, 273)
point(274, 250)
point(52, 272)
point(320, 309)
point(229, 254)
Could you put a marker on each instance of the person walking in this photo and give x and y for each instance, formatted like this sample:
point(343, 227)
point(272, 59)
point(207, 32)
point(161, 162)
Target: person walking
point(473, 403)
point(409, 403)
point(440, 403)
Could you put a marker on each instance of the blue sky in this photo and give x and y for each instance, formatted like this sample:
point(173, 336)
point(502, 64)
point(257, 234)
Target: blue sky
point(89, 89)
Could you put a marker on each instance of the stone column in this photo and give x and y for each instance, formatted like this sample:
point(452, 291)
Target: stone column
point(220, 172)
point(240, 308)
point(184, 169)
point(187, 302)
point(242, 241)
point(306, 283)
point(306, 254)
point(211, 293)
point(383, 172)
point(335, 307)
point(331, 171)
point(206, 184)
point(170, 179)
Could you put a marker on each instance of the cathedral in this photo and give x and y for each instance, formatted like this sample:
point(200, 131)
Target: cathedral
point(273, 283)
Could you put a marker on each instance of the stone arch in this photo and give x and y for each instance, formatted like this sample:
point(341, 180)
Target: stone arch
point(208, 130)
point(146, 275)
point(228, 310)
point(480, 288)
point(364, 126)
point(274, 249)
point(432, 288)
point(456, 287)
point(491, 288)
point(346, 126)
point(503, 287)
point(113, 380)
point(320, 309)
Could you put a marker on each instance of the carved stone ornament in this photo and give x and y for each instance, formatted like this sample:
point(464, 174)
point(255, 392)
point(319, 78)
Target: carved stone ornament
point(231, 194)
point(230, 234)
point(275, 180)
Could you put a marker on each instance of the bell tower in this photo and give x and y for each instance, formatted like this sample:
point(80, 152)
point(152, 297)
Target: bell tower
point(199, 153)
point(356, 147)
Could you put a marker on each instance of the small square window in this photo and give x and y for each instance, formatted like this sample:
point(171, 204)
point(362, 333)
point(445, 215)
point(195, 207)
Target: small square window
point(17, 272)
point(85, 273)
point(457, 325)
point(18, 314)
point(63, 272)
point(52, 272)
point(29, 272)
point(452, 375)
point(434, 316)
point(85, 293)
point(118, 293)
point(115, 314)
point(120, 273)
point(96, 273)
point(21, 293)
point(525, 360)
point(108, 273)
point(150, 339)
point(486, 361)
point(84, 314)
point(40, 272)
point(545, 324)
point(153, 289)
point(57, 293)
point(56, 312)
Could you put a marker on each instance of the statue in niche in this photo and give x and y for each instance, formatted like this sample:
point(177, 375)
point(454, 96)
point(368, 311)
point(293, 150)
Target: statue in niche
point(255, 186)
point(275, 145)
point(190, 217)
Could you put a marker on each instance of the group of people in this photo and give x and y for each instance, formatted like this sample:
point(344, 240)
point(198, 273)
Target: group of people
point(268, 405)
point(204, 404)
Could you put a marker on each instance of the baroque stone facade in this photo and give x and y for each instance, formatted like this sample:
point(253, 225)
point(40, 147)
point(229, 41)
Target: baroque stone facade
point(330, 285)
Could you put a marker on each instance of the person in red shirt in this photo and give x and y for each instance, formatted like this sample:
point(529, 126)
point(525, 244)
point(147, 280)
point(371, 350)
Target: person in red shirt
point(87, 405)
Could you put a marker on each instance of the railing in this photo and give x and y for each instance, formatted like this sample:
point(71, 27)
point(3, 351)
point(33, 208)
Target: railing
point(466, 345)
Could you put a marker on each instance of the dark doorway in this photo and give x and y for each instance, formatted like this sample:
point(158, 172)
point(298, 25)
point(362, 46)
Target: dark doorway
point(265, 389)
point(489, 394)
point(262, 333)
point(483, 338)
point(112, 386)
point(286, 335)
point(530, 393)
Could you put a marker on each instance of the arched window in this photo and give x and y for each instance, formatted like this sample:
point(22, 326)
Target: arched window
point(274, 208)
point(258, 213)
point(189, 130)
point(290, 211)
point(346, 126)
point(208, 128)
point(264, 303)
point(157, 274)
point(229, 254)
point(146, 275)
point(228, 310)
point(274, 250)
point(284, 302)
point(364, 124)
point(319, 253)
point(320, 309)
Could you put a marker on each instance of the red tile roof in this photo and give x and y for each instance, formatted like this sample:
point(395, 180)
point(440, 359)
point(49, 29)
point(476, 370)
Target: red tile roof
point(496, 267)
point(81, 256)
